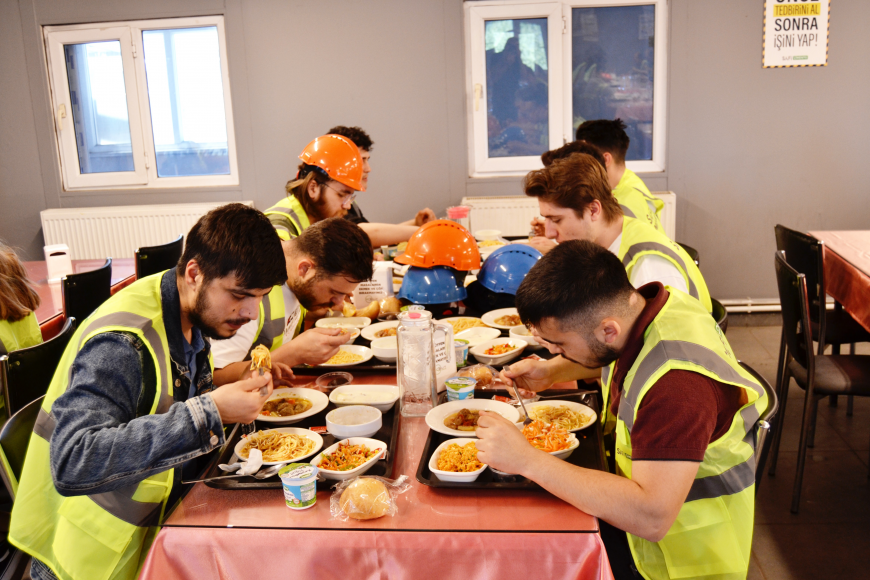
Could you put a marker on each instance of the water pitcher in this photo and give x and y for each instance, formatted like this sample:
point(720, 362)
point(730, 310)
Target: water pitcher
point(416, 374)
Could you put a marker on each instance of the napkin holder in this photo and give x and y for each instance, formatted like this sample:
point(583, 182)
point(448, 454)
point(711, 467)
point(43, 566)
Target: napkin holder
point(57, 261)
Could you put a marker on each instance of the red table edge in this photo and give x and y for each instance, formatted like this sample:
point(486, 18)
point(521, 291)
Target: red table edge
point(52, 327)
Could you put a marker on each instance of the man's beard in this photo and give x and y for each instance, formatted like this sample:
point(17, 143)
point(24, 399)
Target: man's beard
point(319, 210)
point(304, 292)
point(602, 354)
point(207, 326)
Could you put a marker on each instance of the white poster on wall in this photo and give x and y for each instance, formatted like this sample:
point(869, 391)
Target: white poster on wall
point(795, 33)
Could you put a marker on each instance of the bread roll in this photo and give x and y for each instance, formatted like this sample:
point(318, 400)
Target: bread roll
point(371, 311)
point(365, 499)
point(390, 305)
point(348, 310)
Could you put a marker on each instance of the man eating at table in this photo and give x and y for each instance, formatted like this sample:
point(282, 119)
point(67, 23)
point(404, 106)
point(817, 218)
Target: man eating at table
point(324, 264)
point(132, 403)
point(681, 504)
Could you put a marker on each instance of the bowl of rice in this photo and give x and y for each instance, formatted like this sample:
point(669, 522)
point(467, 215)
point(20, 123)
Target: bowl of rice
point(455, 460)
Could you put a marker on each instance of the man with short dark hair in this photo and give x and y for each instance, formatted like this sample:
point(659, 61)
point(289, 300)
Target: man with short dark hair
point(628, 188)
point(132, 403)
point(681, 504)
point(381, 234)
point(324, 265)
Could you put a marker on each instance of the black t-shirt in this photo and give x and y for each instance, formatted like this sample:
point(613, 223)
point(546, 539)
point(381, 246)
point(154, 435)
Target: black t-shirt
point(355, 215)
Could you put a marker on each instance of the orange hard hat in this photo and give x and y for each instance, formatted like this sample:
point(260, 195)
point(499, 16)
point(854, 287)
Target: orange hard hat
point(442, 243)
point(338, 157)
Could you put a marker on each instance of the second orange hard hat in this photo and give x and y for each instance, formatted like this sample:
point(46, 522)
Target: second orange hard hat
point(338, 157)
point(442, 243)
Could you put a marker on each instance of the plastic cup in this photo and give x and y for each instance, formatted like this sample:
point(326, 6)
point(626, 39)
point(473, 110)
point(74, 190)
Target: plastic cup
point(460, 388)
point(460, 347)
point(299, 481)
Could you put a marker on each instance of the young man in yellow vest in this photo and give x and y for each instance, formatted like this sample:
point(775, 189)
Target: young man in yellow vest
point(681, 504)
point(628, 189)
point(132, 403)
point(324, 265)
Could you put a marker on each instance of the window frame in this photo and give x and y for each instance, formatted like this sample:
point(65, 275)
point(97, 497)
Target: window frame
point(560, 66)
point(129, 33)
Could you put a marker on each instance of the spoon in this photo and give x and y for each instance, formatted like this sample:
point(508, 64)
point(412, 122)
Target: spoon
point(262, 474)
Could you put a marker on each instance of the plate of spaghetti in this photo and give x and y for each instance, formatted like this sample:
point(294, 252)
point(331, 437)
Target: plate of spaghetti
point(349, 457)
point(281, 445)
point(568, 415)
point(456, 460)
point(349, 355)
point(460, 323)
point(554, 440)
point(289, 405)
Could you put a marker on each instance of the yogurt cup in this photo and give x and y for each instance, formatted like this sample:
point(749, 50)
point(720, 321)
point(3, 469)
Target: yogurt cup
point(460, 346)
point(460, 388)
point(299, 481)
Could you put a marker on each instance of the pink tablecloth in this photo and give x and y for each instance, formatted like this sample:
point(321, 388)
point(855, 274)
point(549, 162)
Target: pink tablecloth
point(847, 271)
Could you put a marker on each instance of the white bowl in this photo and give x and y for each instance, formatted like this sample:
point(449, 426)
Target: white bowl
point(318, 443)
point(479, 351)
point(454, 476)
point(490, 318)
point(342, 475)
point(366, 421)
point(357, 395)
point(435, 417)
point(573, 443)
point(369, 332)
point(386, 349)
point(318, 403)
point(478, 334)
point(522, 333)
point(363, 351)
point(576, 407)
point(349, 322)
point(481, 235)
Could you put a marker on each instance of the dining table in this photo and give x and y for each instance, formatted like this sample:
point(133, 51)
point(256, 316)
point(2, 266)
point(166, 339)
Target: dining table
point(436, 532)
point(847, 270)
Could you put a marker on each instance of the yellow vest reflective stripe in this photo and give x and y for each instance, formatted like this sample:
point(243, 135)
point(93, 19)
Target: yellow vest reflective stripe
point(107, 535)
point(636, 200)
point(270, 324)
point(712, 534)
point(288, 217)
point(20, 334)
point(638, 240)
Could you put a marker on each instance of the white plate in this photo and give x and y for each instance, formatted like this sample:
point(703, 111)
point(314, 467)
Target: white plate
point(576, 407)
point(456, 318)
point(455, 476)
point(489, 318)
point(479, 351)
point(349, 322)
point(318, 443)
point(365, 351)
point(318, 403)
point(435, 417)
point(369, 332)
point(353, 389)
point(342, 475)
point(478, 334)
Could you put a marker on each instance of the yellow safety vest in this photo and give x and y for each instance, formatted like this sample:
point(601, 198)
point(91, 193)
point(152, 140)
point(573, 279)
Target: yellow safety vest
point(270, 324)
point(637, 201)
point(288, 218)
point(712, 534)
point(107, 535)
point(19, 334)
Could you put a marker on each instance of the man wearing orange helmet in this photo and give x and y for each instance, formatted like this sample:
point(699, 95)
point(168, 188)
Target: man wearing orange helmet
point(328, 180)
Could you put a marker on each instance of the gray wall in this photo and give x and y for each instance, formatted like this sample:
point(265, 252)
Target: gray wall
point(747, 147)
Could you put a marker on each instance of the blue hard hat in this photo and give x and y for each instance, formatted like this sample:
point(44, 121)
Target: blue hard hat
point(506, 267)
point(436, 285)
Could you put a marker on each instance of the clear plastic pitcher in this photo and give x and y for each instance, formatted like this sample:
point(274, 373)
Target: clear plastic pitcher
point(416, 375)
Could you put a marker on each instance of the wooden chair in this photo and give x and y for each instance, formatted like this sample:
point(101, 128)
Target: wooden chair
point(154, 259)
point(83, 293)
point(26, 373)
point(818, 374)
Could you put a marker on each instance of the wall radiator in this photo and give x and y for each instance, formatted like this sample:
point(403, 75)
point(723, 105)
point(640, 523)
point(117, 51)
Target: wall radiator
point(512, 214)
point(117, 232)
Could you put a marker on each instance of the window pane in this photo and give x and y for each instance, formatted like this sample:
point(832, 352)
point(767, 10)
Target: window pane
point(185, 91)
point(99, 106)
point(517, 87)
point(613, 55)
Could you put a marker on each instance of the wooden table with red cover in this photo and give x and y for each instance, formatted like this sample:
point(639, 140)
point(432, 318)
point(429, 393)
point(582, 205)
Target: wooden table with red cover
point(847, 271)
point(437, 533)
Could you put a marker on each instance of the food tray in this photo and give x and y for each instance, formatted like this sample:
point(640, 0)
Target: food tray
point(388, 433)
point(589, 454)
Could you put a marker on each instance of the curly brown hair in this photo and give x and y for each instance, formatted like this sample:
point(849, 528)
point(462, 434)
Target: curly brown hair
point(18, 297)
point(359, 137)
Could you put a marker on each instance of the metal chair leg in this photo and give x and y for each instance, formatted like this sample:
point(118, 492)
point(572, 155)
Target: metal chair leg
point(811, 438)
point(802, 448)
point(778, 423)
point(850, 400)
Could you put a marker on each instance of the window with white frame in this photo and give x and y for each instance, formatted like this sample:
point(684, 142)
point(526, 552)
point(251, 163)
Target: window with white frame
point(142, 104)
point(537, 70)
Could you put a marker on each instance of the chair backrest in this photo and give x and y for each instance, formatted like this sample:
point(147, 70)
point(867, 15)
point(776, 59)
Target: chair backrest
point(764, 423)
point(26, 373)
point(795, 312)
point(154, 259)
point(693, 253)
point(83, 293)
point(805, 254)
point(720, 314)
point(14, 438)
